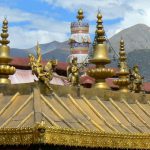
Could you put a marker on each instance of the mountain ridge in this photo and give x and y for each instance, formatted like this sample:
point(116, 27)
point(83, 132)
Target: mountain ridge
point(137, 46)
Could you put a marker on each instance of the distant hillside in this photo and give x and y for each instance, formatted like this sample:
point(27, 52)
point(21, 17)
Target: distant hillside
point(15, 52)
point(135, 37)
point(56, 54)
point(137, 44)
point(64, 46)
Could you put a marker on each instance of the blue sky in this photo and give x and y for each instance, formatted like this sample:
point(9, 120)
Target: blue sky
point(49, 20)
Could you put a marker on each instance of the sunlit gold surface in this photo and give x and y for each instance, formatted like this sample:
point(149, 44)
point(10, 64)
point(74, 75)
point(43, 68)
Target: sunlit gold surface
point(100, 57)
point(68, 120)
point(71, 137)
point(136, 80)
point(43, 73)
point(80, 15)
point(5, 68)
point(73, 72)
point(123, 81)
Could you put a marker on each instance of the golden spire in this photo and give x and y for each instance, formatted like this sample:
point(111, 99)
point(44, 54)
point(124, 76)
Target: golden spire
point(100, 31)
point(122, 53)
point(123, 81)
point(80, 15)
point(100, 57)
point(5, 68)
point(4, 33)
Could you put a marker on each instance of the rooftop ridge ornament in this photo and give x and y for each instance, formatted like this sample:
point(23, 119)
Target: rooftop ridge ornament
point(73, 72)
point(5, 59)
point(80, 15)
point(43, 73)
point(100, 57)
point(136, 80)
point(123, 81)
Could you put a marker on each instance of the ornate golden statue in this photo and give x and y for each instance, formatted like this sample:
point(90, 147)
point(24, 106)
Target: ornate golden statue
point(43, 73)
point(136, 79)
point(73, 72)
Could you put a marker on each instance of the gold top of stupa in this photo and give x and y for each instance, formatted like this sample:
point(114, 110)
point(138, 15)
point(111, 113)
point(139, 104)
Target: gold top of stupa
point(100, 57)
point(4, 34)
point(5, 68)
point(80, 15)
point(100, 30)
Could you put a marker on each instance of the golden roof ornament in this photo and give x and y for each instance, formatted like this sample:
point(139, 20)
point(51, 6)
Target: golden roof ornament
point(136, 80)
point(73, 72)
point(123, 81)
point(80, 15)
point(100, 57)
point(43, 73)
point(5, 59)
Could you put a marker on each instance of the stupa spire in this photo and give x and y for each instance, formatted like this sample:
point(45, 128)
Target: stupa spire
point(80, 15)
point(4, 34)
point(123, 81)
point(100, 57)
point(100, 29)
point(5, 68)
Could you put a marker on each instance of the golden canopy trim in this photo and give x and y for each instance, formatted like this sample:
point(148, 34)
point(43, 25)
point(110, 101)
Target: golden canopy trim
point(71, 137)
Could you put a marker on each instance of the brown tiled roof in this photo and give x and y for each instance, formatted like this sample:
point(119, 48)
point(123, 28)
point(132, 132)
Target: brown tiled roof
point(19, 62)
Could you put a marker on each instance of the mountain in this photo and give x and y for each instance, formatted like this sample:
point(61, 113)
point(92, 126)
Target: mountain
point(45, 48)
point(135, 37)
point(15, 52)
point(137, 45)
point(58, 50)
point(57, 54)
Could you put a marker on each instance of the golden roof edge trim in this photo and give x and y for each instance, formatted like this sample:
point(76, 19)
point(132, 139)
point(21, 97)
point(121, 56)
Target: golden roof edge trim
point(71, 137)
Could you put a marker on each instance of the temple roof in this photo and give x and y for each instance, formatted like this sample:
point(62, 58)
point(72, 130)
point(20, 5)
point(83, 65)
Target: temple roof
point(74, 113)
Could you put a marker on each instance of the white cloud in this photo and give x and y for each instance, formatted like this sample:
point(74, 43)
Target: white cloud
point(110, 9)
point(23, 38)
point(48, 29)
point(132, 11)
point(39, 28)
point(14, 15)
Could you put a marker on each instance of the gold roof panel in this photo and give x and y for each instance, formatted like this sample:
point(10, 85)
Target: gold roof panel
point(95, 119)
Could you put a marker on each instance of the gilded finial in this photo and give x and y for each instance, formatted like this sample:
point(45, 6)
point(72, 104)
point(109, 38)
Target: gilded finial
point(80, 15)
point(100, 30)
point(123, 81)
point(4, 33)
point(122, 53)
point(100, 57)
point(5, 68)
